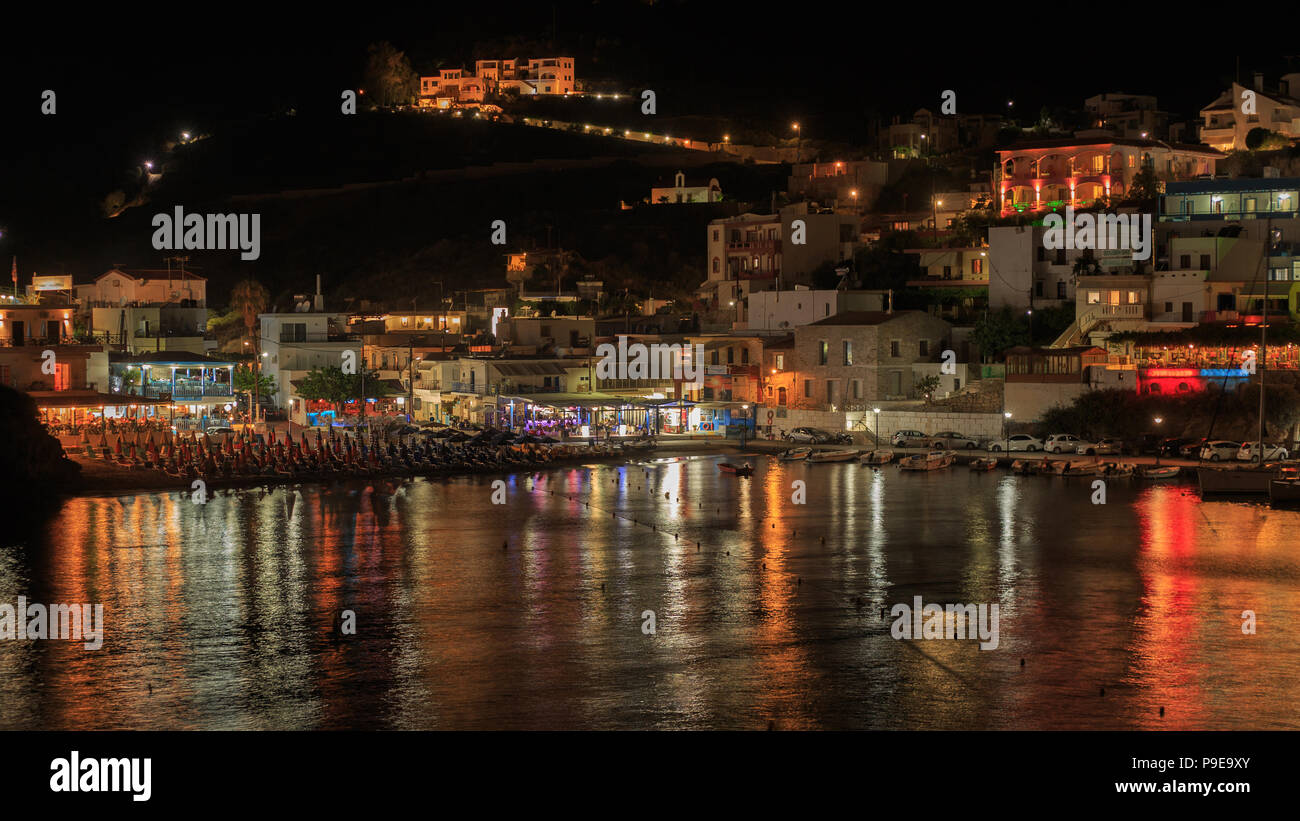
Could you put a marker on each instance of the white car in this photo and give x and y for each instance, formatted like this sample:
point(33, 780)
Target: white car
point(1020, 441)
point(1104, 446)
point(1061, 443)
point(1217, 450)
point(1248, 452)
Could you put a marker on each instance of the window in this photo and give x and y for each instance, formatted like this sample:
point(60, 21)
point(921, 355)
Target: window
point(1060, 289)
point(731, 355)
point(1038, 287)
point(923, 347)
point(1094, 297)
point(715, 357)
point(848, 352)
point(1132, 297)
point(1185, 261)
point(807, 388)
point(821, 352)
point(717, 265)
point(893, 347)
point(1169, 307)
point(830, 390)
point(947, 272)
point(715, 234)
point(744, 356)
point(977, 266)
point(857, 388)
point(826, 309)
point(1205, 262)
point(780, 362)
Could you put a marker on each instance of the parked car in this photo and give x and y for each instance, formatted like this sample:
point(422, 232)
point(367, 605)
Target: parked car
point(808, 436)
point(1148, 444)
point(1191, 447)
point(213, 430)
point(1019, 441)
point(909, 439)
point(1249, 452)
point(1061, 443)
point(951, 440)
point(1219, 449)
point(1105, 445)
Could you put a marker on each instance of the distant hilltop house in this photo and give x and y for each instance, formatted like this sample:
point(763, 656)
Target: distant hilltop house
point(680, 192)
point(452, 87)
point(1226, 124)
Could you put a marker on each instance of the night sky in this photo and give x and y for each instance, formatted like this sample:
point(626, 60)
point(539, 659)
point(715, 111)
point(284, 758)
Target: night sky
point(127, 81)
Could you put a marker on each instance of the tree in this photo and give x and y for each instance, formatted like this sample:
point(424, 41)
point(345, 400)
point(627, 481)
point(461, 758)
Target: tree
point(332, 385)
point(1145, 185)
point(389, 75)
point(245, 382)
point(926, 386)
point(1261, 139)
point(998, 330)
point(249, 298)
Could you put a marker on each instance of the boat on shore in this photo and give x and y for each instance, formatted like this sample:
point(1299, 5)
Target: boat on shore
point(934, 460)
point(795, 454)
point(983, 463)
point(877, 457)
point(833, 456)
point(741, 469)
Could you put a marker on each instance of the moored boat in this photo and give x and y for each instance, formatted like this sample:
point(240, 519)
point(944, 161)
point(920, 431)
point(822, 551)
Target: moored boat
point(1158, 471)
point(1024, 467)
point(795, 454)
point(1253, 481)
point(1284, 492)
point(934, 460)
point(1118, 470)
point(983, 463)
point(742, 469)
point(877, 457)
point(833, 456)
point(1080, 467)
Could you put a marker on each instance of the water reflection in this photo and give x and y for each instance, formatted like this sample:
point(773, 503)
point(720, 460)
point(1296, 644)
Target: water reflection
point(533, 614)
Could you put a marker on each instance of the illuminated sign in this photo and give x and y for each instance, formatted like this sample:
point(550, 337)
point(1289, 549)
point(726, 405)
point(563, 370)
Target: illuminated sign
point(1156, 373)
point(52, 283)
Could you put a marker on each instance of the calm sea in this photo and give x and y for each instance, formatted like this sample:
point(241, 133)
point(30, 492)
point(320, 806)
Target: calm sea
point(662, 594)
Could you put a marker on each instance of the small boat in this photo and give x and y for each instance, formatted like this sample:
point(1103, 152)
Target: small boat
point(1158, 471)
point(795, 454)
point(877, 457)
point(743, 469)
point(1080, 467)
point(1118, 470)
point(1284, 491)
point(934, 460)
point(983, 463)
point(833, 456)
point(1051, 467)
point(1024, 467)
point(643, 443)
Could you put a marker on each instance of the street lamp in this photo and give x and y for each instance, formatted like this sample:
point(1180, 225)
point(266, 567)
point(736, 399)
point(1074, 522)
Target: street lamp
point(876, 411)
point(1006, 438)
point(798, 142)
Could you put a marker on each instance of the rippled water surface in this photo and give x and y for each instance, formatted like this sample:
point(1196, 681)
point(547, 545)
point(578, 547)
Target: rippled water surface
point(530, 614)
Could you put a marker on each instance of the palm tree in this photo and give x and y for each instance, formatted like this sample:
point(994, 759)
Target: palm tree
point(249, 298)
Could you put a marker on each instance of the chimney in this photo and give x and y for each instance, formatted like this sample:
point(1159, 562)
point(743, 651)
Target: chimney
point(1259, 81)
point(320, 298)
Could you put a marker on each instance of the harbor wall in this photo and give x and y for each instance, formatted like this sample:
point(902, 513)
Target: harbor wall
point(985, 425)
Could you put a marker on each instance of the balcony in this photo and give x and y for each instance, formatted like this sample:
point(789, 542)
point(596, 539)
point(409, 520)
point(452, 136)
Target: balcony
point(758, 246)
